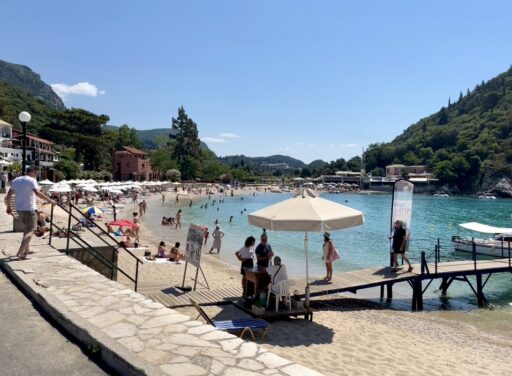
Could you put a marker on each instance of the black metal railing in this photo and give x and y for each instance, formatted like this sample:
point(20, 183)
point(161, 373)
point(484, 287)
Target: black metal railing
point(90, 225)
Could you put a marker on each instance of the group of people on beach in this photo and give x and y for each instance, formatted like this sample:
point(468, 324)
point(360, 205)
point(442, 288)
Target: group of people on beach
point(173, 254)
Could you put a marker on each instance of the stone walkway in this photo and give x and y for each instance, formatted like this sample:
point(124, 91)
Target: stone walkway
point(134, 334)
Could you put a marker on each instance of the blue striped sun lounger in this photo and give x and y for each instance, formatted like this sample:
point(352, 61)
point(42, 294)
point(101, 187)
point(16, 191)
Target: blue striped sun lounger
point(239, 325)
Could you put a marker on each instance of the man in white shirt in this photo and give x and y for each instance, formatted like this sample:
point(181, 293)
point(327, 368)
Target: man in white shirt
point(277, 271)
point(26, 189)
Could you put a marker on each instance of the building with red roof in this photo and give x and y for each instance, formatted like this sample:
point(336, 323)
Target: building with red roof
point(131, 164)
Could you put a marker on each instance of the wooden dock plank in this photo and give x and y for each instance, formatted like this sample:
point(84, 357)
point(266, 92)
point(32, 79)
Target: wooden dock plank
point(346, 281)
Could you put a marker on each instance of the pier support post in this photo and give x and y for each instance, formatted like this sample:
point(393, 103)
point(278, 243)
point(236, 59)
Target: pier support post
point(389, 291)
point(479, 290)
point(417, 295)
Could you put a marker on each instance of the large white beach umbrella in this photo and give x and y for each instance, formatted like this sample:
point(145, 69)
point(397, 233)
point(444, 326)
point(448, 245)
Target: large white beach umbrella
point(45, 182)
point(60, 188)
point(306, 212)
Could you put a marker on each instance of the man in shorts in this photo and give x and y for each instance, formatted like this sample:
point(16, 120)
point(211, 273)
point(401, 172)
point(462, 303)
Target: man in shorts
point(399, 245)
point(25, 189)
point(263, 252)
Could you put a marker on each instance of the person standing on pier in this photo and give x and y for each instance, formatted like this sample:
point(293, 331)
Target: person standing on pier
point(399, 245)
point(26, 189)
point(329, 255)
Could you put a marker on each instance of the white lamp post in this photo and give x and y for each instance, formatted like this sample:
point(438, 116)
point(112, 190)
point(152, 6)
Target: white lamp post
point(24, 118)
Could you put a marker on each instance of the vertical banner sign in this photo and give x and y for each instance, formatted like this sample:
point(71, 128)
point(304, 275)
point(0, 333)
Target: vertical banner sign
point(193, 249)
point(401, 206)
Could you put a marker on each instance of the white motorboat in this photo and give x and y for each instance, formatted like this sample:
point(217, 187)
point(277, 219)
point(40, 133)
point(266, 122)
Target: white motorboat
point(486, 197)
point(275, 190)
point(441, 195)
point(497, 246)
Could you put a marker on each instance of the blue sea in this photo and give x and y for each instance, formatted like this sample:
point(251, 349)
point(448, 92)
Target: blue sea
point(364, 246)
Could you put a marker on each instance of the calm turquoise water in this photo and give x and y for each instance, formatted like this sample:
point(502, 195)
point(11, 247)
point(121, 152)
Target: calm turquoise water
point(363, 246)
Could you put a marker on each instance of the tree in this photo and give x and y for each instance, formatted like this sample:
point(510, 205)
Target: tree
point(127, 136)
point(173, 175)
point(444, 172)
point(354, 164)
point(70, 169)
point(187, 150)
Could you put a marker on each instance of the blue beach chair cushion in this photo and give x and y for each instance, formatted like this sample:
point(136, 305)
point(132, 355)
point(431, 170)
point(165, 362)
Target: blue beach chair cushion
point(243, 325)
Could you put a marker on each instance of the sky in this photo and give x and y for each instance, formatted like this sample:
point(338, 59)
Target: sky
point(309, 79)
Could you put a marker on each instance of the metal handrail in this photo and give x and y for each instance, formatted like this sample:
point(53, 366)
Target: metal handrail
point(104, 233)
point(108, 263)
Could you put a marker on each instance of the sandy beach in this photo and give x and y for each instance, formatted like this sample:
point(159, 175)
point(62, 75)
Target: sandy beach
point(348, 336)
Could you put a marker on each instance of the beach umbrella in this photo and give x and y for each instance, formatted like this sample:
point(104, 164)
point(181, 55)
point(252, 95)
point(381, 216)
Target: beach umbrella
point(60, 188)
point(306, 212)
point(123, 223)
point(89, 188)
point(3, 162)
point(93, 210)
point(45, 182)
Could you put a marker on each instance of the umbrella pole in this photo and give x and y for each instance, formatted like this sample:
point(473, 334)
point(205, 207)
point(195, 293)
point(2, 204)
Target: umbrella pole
point(306, 302)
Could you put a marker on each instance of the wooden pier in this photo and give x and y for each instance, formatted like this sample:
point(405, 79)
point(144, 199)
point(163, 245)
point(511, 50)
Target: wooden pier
point(352, 281)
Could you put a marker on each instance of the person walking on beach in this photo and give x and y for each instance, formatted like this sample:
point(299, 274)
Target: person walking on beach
point(25, 189)
point(163, 197)
point(329, 255)
point(399, 245)
point(246, 256)
point(144, 207)
point(264, 252)
point(178, 219)
point(217, 236)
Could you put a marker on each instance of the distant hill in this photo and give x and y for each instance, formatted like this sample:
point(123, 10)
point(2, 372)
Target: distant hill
point(261, 162)
point(467, 144)
point(24, 78)
point(317, 164)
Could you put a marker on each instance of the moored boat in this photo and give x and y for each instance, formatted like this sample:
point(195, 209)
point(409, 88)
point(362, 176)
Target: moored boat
point(498, 246)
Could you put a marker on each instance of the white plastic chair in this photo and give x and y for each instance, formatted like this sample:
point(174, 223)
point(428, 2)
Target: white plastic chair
point(281, 290)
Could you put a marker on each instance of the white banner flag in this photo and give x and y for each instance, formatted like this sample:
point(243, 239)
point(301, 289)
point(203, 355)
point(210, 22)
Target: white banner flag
point(402, 206)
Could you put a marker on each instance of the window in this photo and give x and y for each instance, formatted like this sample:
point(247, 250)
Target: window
point(127, 164)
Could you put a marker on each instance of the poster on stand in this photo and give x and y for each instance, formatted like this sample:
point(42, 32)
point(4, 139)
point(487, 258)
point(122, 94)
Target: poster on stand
point(401, 207)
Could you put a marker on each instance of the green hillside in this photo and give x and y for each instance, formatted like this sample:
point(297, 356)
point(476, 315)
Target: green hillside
point(467, 144)
point(13, 100)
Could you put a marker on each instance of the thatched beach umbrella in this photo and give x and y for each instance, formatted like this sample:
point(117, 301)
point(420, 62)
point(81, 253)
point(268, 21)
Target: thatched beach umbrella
point(306, 212)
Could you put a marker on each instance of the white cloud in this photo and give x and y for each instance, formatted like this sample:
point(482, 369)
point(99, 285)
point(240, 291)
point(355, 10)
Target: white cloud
point(213, 140)
point(285, 148)
point(348, 146)
point(81, 88)
point(228, 135)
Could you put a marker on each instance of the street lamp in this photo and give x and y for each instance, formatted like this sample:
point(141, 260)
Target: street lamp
point(24, 118)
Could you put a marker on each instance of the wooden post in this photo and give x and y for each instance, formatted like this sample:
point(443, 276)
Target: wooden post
point(473, 252)
point(389, 291)
point(417, 295)
point(68, 231)
point(382, 292)
point(444, 286)
point(479, 290)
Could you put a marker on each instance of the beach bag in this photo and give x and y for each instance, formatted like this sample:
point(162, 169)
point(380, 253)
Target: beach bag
point(335, 254)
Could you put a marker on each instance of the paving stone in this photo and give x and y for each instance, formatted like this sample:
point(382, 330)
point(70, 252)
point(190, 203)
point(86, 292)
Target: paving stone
point(216, 335)
point(188, 340)
point(132, 343)
point(166, 347)
point(186, 350)
point(140, 310)
point(272, 361)
point(217, 367)
point(148, 333)
point(198, 330)
point(193, 323)
point(296, 369)
point(108, 301)
point(175, 328)
point(231, 344)
point(158, 357)
point(232, 371)
point(180, 359)
point(227, 361)
point(126, 310)
point(184, 369)
point(250, 364)
point(174, 318)
point(90, 312)
point(121, 329)
point(137, 320)
point(153, 342)
point(270, 372)
point(215, 353)
point(106, 319)
point(248, 350)
point(160, 312)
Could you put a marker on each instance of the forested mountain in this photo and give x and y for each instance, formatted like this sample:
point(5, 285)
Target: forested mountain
point(13, 100)
point(260, 162)
point(467, 144)
point(24, 78)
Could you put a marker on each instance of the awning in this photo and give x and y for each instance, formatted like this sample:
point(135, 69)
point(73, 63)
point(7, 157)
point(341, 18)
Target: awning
point(480, 227)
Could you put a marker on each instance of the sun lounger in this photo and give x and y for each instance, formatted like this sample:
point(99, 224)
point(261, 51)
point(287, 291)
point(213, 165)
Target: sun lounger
point(240, 325)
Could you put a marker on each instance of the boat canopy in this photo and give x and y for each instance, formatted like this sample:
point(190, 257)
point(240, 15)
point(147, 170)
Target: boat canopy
point(480, 227)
